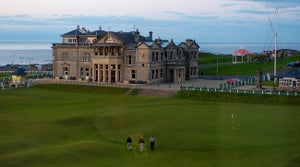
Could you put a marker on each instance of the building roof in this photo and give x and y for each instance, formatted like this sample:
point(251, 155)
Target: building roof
point(170, 44)
point(20, 71)
point(126, 37)
point(77, 32)
point(292, 73)
point(241, 52)
point(129, 38)
point(98, 33)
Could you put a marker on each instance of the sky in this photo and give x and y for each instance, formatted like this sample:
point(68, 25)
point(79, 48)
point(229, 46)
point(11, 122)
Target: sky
point(201, 20)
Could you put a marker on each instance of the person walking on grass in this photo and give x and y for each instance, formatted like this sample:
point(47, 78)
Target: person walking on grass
point(152, 142)
point(142, 143)
point(129, 143)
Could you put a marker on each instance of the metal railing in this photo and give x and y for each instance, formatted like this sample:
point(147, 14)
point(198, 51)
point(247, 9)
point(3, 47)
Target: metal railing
point(241, 91)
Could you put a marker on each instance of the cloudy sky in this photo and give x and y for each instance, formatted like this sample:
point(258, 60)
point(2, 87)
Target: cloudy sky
point(202, 20)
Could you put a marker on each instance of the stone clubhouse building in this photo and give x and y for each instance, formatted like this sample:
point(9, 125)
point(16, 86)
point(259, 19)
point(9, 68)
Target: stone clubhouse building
point(123, 57)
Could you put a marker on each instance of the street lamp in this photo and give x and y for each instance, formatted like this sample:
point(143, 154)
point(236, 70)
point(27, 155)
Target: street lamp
point(217, 65)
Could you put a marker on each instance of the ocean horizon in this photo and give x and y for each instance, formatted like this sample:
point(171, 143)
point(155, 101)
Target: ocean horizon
point(41, 52)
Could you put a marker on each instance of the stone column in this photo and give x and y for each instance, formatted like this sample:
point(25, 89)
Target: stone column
point(104, 72)
point(117, 73)
point(109, 73)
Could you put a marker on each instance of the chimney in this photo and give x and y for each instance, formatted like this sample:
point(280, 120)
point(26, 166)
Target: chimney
point(158, 41)
point(150, 35)
point(189, 41)
point(137, 35)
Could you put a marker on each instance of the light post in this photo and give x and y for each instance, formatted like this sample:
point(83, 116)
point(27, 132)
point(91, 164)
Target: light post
point(21, 58)
point(217, 65)
point(13, 57)
point(275, 41)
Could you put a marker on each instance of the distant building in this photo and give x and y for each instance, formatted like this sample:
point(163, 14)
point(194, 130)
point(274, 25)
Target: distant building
point(123, 57)
point(289, 80)
point(19, 76)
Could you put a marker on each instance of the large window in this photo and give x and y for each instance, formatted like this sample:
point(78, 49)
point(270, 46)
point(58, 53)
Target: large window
point(193, 71)
point(161, 56)
point(179, 55)
point(87, 71)
point(81, 71)
point(129, 60)
point(153, 74)
point(171, 56)
point(133, 74)
point(65, 56)
point(71, 40)
point(153, 57)
point(86, 56)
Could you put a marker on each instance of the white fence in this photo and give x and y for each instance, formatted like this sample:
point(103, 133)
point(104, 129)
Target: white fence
point(240, 91)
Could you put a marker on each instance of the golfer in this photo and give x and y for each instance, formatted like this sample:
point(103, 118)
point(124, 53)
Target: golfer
point(152, 142)
point(129, 143)
point(142, 143)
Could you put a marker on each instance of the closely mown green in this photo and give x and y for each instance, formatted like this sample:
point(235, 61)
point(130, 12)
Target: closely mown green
point(67, 125)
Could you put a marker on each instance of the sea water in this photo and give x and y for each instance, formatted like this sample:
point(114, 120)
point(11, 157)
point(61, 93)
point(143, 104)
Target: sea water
point(25, 53)
point(41, 53)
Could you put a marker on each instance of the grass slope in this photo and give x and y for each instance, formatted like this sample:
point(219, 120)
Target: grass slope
point(208, 65)
point(87, 126)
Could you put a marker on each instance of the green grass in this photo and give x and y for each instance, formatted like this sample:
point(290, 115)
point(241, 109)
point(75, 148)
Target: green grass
point(209, 65)
point(208, 58)
point(59, 125)
point(3, 75)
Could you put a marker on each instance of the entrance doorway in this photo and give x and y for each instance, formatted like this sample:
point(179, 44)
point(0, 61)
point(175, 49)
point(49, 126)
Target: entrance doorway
point(113, 76)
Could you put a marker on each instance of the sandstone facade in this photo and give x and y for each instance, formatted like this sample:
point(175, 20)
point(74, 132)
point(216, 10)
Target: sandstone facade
point(123, 57)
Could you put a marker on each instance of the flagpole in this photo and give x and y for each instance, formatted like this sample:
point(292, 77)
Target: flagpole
point(275, 41)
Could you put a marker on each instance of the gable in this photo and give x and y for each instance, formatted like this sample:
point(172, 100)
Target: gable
point(183, 45)
point(194, 46)
point(142, 45)
point(155, 46)
point(109, 38)
point(171, 45)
